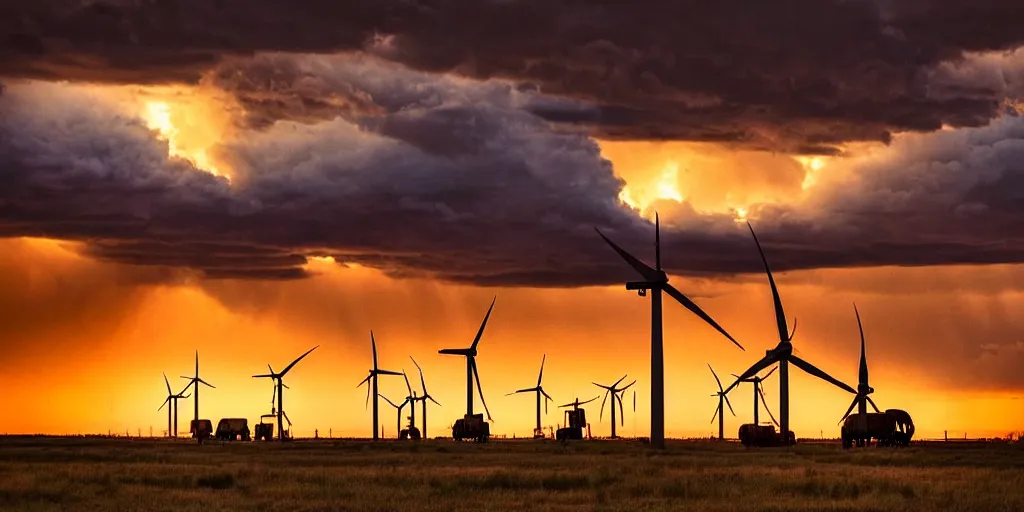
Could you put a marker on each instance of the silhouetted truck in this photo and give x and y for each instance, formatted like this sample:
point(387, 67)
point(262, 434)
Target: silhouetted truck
point(575, 421)
point(231, 429)
point(893, 427)
point(763, 435)
point(265, 428)
point(201, 429)
point(471, 427)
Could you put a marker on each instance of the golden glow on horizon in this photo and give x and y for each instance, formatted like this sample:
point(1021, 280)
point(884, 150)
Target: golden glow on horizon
point(157, 115)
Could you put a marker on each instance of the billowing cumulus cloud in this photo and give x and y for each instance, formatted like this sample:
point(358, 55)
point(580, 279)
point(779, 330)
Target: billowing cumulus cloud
point(460, 180)
point(797, 76)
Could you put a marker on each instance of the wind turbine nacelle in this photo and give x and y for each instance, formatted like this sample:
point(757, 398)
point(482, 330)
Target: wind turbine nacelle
point(640, 286)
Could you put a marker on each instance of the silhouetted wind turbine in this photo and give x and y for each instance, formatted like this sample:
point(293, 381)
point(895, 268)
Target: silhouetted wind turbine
point(616, 394)
point(759, 394)
point(277, 377)
point(195, 381)
point(411, 399)
point(783, 353)
point(575, 404)
point(863, 388)
point(371, 380)
point(426, 396)
point(471, 371)
point(656, 280)
point(720, 411)
point(398, 431)
point(172, 402)
point(540, 391)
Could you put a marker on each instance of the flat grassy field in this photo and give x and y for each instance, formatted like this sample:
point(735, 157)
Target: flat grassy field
point(97, 474)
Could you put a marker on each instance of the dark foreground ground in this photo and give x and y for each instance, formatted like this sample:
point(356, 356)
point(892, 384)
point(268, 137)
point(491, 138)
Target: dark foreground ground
point(123, 474)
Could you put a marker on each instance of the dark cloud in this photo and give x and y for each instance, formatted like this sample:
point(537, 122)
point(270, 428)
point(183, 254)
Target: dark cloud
point(791, 75)
point(473, 191)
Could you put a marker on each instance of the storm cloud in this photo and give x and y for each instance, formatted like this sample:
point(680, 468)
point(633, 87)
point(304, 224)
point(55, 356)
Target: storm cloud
point(798, 76)
point(459, 180)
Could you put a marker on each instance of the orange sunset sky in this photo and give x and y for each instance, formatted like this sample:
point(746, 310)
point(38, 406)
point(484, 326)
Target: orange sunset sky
point(87, 340)
point(250, 183)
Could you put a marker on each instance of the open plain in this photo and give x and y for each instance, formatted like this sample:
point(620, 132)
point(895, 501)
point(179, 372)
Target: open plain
point(100, 474)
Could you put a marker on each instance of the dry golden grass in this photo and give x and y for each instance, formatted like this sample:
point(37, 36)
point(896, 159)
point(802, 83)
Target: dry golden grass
point(118, 474)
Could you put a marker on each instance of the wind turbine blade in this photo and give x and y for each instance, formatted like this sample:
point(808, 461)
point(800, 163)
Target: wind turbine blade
point(168, 383)
point(726, 397)
point(811, 369)
point(286, 386)
point(524, 390)
point(627, 386)
point(386, 399)
point(863, 377)
point(618, 381)
point(189, 378)
point(373, 347)
point(689, 304)
point(622, 413)
point(541, 375)
point(271, 368)
point(770, 373)
point(634, 400)
point(591, 400)
point(765, 361)
point(265, 376)
point(715, 415)
point(423, 381)
point(780, 314)
point(166, 400)
point(480, 390)
point(716, 378)
point(765, 404)
point(287, 418)
point(407, 386)
point(546, 395)
point(600, 386)
point(603, 400)
point(435, 401)
point(483, 324)
point(657, 241)
point(848, 411)
point(387, 372)
point(649, 273)
point(289, 367)
point(207, 383)
point(368, 388)
point(364, 381)
point(872, 402)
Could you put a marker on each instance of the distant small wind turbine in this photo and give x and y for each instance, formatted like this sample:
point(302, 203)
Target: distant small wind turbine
point(863, 388)
point(471, 370)
point(720, 411)
point(278, 378)
point(616, 394)
point(172, 402)
point(759, 394)
point(371, 380)
point(540, 392)
point(398, 431)
point(656, 280)
point(195, 381)
point(423, 398)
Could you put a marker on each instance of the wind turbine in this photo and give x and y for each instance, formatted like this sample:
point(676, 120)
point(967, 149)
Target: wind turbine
point(278, 378)
point(172, 402)
point(759, 394)
point(471, 371)
point(426, 396)
point(863, 388)
point(656, 280)
point(411, 399)
point(720, 411)
point(575, 404)
point(783, 354)
point(540, 392)
point(398, 431)
point(616, 393)
point(195, 381)
point(371, 380)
